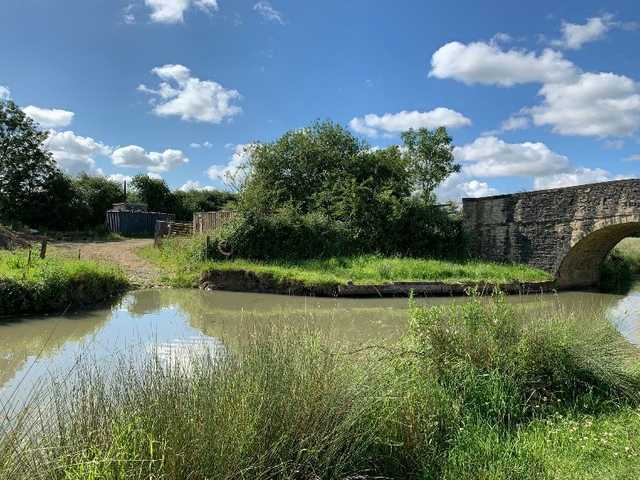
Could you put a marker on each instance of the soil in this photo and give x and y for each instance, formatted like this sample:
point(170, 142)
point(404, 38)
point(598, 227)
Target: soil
point(141, 273)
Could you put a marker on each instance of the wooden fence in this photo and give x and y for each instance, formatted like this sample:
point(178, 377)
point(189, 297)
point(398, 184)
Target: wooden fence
point(207, 222)
point(167, 229)
point(135, 223)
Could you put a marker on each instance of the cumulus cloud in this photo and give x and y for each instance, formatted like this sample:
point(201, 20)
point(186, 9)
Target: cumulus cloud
point(120, 178)
point(233, 167)
point(575, 36)
point(487, 63)
point(597, 104)
point(49, 117)
point(172, 11)
point(133, 156)
point(632, 158)
point(492, 157)
point(75, 153)
point(268, 12)
point(574, 102)
point(579, 176)
point(372, 124)
point(194, 185)
point(4, 93)
point(191, 98)
point(457, 186)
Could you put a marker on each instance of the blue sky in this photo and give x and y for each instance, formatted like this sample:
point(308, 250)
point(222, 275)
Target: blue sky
point(535, 94)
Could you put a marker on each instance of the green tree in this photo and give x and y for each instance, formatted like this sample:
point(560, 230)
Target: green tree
point(190, 201)
point(32, 187)
point(430, 158)
point(96, 195)
point(298, 167)
point(154, 192)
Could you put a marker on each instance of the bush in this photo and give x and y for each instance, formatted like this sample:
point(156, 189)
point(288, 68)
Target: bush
point(288, 235)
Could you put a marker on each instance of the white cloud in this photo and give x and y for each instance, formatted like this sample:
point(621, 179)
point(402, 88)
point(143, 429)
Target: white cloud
point(194, 185)
point(614, 144)
point(511, 124)
point(49, 117)
point(486, 63)
point(580, 176)
point(267, 11)
point(574, 36)
point(192, 98)
point(492, 157)
point(4, 93)
point(632, 158)
point(120, 178)
point(199, 145)
point(598, 104)
point(458, 186)
point(134, 156)
point(232, 169)
point(172, 11)
point(371, 125)
point(127, 14)
point(75, 153)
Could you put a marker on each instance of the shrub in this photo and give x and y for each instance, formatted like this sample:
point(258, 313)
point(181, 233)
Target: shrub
point(288, 235)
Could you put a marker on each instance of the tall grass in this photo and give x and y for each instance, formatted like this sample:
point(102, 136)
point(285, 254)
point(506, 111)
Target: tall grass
point(479, 390)
point(30, 285)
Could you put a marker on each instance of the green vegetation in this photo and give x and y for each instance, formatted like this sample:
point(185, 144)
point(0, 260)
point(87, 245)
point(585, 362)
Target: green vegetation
point(186, 259)
point(31, 285)
point(321, 192)
point(482, 390)
point(621, 268)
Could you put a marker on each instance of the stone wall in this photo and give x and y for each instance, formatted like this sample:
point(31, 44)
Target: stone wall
point(567, 231)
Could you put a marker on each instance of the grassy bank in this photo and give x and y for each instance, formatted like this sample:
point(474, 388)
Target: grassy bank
point(31, 285)
point(186, 259)
point(480, 390)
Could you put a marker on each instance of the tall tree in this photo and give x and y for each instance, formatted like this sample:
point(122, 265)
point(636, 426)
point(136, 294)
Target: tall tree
point(430, 158)
point(96, 195)
point(30, 178)
point(154, 192)
point(299, 166)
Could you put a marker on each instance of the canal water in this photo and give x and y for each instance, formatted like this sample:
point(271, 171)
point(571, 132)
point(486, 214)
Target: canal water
point(172, 323)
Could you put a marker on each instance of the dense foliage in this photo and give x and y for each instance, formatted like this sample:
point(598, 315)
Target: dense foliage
point(320, 191)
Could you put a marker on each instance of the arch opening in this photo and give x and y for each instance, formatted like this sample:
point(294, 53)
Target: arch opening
point(581, 266)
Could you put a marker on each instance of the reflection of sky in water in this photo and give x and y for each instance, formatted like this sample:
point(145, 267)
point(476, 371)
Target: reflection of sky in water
point(625, 314)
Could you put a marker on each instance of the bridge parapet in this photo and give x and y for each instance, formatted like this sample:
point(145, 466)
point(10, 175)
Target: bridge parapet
point(567, 232)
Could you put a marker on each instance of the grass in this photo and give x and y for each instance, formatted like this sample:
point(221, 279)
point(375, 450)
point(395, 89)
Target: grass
point(31, 285)
point(482, 390)
point(186, 259)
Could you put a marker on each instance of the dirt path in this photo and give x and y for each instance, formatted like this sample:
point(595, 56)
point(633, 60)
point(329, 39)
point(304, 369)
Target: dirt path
point(140, 272)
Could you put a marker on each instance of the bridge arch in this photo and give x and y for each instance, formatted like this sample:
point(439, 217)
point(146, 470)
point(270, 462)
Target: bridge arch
point(566, 232)
point(581, 264)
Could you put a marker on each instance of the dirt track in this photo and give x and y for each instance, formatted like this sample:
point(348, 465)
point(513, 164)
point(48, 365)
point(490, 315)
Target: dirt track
point(118, 252)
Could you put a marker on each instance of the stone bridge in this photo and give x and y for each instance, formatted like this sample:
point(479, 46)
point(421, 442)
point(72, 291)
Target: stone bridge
point(567, 232)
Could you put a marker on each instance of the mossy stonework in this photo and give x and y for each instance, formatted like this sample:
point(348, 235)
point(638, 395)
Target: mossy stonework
point(566, 232)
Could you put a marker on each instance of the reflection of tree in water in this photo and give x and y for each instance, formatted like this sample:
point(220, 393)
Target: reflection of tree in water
point(44, 336)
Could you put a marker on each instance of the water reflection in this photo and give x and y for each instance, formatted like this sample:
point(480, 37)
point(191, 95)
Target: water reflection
point(173, 323)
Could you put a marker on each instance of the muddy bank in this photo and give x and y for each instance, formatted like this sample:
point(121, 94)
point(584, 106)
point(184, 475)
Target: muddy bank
point(247, 281)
